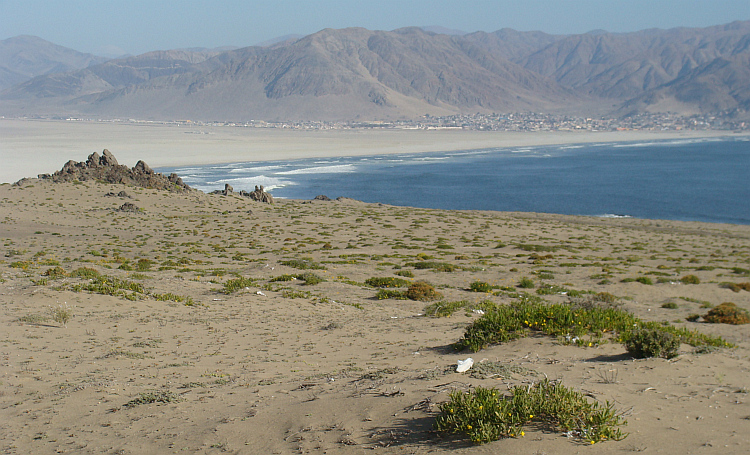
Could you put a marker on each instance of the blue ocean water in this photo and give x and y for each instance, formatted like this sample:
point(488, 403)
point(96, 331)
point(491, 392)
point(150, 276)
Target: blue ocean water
point(690, 180)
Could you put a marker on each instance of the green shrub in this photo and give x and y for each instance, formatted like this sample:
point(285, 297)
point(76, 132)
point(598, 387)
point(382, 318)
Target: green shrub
point(390, 294)
point(85, 272)
point(144, 265)
point(485, 415)
point(481, 286)
point(310, 278)
point(236, 284)
point(727, 313)
point(405, 273)
point(526, 283)
point(303, 264)
point(652, 342)
point(284, 277)
point(570, 323)
point(56, 272)
point(154, 397)
point(434, 265)
point(644, 280)
point(387, 282)
point(669, 305)
point(690, 279)
point(423, 292)
point(693, 317)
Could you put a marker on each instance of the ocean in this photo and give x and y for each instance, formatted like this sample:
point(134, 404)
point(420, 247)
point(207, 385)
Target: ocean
point(690, 180)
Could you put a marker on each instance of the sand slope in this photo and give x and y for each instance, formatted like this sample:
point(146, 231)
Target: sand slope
point(283, 367)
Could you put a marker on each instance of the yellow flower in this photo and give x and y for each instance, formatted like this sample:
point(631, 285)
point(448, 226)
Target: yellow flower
point(468, 427)
point(523, 433)
point(531, 416)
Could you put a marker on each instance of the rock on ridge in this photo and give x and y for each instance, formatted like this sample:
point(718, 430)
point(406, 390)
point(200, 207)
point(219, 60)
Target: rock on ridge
point(106, 168)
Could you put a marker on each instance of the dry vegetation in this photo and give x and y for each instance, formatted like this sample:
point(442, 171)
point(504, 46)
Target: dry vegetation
point(209, 324)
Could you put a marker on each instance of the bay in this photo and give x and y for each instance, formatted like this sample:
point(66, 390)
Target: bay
point(690, 180)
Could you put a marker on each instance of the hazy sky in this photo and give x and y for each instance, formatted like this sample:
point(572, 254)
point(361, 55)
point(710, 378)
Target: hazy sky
point(138, 26)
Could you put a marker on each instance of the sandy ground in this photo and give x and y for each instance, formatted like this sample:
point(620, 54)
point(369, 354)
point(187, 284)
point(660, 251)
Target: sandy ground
point(280, 367)
point(32, 147)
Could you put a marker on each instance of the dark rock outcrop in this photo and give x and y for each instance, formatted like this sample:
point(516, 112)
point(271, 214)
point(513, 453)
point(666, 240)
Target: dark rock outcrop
point(129, 207)
point(105, 168)
point(261, 196)
point(321, 197)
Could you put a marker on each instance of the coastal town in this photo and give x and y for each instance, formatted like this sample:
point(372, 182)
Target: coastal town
point(518, 122)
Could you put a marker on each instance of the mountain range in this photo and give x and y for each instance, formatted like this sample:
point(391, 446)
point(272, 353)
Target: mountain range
point(355, 73)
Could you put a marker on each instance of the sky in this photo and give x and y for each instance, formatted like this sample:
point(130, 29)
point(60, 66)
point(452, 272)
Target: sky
point(114, 28)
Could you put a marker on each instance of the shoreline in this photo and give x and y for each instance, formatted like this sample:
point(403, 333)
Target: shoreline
point(32, 147)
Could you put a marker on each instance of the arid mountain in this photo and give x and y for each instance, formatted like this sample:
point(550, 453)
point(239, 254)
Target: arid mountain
point(23, 57)
point(362, 74)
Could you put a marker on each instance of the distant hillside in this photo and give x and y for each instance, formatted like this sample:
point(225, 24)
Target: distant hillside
point(23, 57)
point(356, 73)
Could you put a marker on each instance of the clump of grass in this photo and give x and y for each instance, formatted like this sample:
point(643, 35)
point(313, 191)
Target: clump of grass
point(536, 248)
point(445, 309)
point(383, 294)
point(405, 273)
point(387, 282)
point(165, 396)
point(669, 305)
point(284, 277)
point(56, 272)
point(303, 264)
point(236, 284)
point(107, 285)
point(434, 265)
point(652, 342)
point(690, 279)
point(422, 292)
point(526, 283)
point(188, 301)
point(62, 314)
point(485, 415)
point(33, 319)
point(481, 286)
point(310, 278)
point(85, 272)
point(727, 313)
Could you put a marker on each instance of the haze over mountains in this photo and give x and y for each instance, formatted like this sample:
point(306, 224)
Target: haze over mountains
point(355, 73)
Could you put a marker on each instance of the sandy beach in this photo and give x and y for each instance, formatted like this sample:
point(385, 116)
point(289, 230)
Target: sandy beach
point(191, 326)
point(32, 147)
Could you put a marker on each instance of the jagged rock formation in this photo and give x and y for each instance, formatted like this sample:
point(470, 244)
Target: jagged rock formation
point(106, 168)
point(261, 196)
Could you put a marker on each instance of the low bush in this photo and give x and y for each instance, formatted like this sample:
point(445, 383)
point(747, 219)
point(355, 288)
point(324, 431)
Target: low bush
point(310, 278)
point(690, 279)
point(405, 273)
point(434, 265)
point(387, 282)
point(481, 286)
point(485, 415)
point(583, 326)
point(391, 294)
point(669, 305)
point(303, 264)
point(652, 342)
point(727, 313)
point(56, 272)
point(526, 283)
point(423, 292)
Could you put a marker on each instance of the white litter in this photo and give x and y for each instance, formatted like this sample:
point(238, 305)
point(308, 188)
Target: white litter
point(260, 293)
point(464, 365)
point(477, 311)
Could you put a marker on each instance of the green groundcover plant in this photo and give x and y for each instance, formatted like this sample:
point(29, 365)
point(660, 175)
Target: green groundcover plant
point(484, 415)
point(572, 324)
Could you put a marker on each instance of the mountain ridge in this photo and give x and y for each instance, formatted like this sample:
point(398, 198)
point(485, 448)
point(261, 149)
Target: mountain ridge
point(355, 73)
